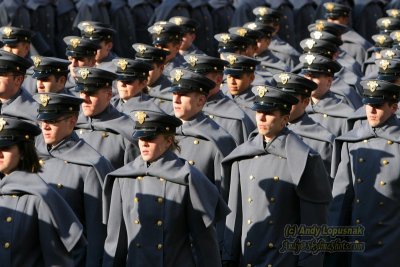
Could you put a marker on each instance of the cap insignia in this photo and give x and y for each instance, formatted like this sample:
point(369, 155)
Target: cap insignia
point(2, 124)
point(141, 49)
point(178, 75)
point(390, 54)
point(122, 63)
point(140, 116)
point(7, 31)
point(44, 99)
point(381, 39)
point(36, 61)
point(262, 11)
point(89, 29)
point(372, 85)
point(317, 35)
point(231, 59)
point(178, 21)
point(397, 36)
point(320, 26)
point(310, 59)
point(310, 43)
point(386, 22)
point(393, 12)
point(329, 7)
point(158, 29)
point(384, 64)
point(84, 73)
point(261, 90)
point(252, 26)
point(225, 38)
point(284, 78)
point(192, 60)
point(75, 42)
point(242, 32)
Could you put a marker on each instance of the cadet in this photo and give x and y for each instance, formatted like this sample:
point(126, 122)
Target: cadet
point(325, 108)
point(382, 41)
point(365, 186)
point(364, 17)
point(16, 40)
point(142, 11)
point(15, 100)
point(252, 35)
point(102, 126)
point(51, 74)
point(81, 53)
point(168, 36)
point(232, 43)
point(219, 107)
point(240, 75)
point(189, 28)
point(157, 83)
point(198, 132)
point(103, 35)
point(268, 179)
point(131, 85)
point(159, 209)
point(38, 227)
point(311, 132)
point(73, 168)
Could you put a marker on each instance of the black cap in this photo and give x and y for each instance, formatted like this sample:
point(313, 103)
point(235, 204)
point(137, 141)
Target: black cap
point(131, 69)
point(150, 123)
point(150, 53)
point(388, 24)
point(389, 70)
point(324, 25)
point(378, 92)
point(186, 81)
point(390, 53)
point(45, 66)
point(314, 63)
point(266, 30)
point(12, 35)
point(326, 36)
point(10, 62)
point(164, 32)
point(382, 41)
point(335, 10)
point(252, 35)
point(267, 15)
point(80, 47)
point(320, 47)
point(237, 64)
point(395, 13)
point(228, 42)
point(14, 130)
point(187, 25)
point(268, 69)
point(53, 106)
point(269, 98)
point(92, 79)
point(395, 35)
point(294, 84)
point(96, 31)
point(205, 64)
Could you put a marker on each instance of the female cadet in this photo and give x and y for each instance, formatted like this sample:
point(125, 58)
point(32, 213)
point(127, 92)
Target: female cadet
point(159, 204)
point(37, 227)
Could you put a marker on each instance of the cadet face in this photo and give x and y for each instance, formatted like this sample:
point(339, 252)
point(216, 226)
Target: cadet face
point(323, 81)
point(155, 73)
point(9, 84)
point(105, 48)
point(95, 102)
point(128, 89)
point(9, 159)
point(57, 130)
point(173, 49)
point(238, 84)
point(186, 105)
point(269, 124)
point(187, 41)
point(262, 45)
point(379, 114)
point(80, 62)
point(299, 109)
point(50, 84)
point(21, 48)
point(152, 149)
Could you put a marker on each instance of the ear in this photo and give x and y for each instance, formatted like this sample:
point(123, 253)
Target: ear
point(252, 76)
point(394, 107)
point(109, 94)
point(109, 45)
point(305, 102)
point(285, 120)
point(202, 99)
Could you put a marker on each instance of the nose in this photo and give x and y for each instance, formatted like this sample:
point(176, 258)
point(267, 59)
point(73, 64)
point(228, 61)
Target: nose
point(177, 98)
point(74, 62)
point(84, 96)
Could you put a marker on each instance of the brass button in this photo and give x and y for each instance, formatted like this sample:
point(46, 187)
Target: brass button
point(357, 200)
point(359, 180)
point(269, 265)
point(160, 200)
point(138, 245)
point(248, 243)
point(159, 246)
point(252, 177)
point(356, 241)
point(159, 223)
point(381, 203)
point(136, 221)
point(7, 245)
point(272, 199)
point(249, 200)
point(140, 177)
point(249, 265)
point(60, 186)
point(382, 183)
point(196, 142)
point(270, 245)
point(325, 115)
point(191, 162)
point(9, 219)
point(276, 178)
point(357, 221)
point(380, 243)
point(162, 179)
point(81, 131)
point(104, 134)
point(66, 162)
point(256, 157)
point(41, 162)
point(361, 160)
point(390, 142)
point(365, 141)
point(385, 162)
point(380, 223)
point(211, 116)
point(136, 200)
point(270, 222)
point(249, 221)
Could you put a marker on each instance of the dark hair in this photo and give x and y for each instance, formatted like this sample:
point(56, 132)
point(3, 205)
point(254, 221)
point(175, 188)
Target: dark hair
point(175, 144)
point(61, 74)
point(29, 161)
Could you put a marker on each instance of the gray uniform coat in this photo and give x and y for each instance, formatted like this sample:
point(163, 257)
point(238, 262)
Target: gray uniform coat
point(203, 134)
point(245, 102)
point(285, 52)
point(132, 104)
point(152, 211)
point(38, 227)
point(355, 45)
point(159, 92)
point(229, 116)
point(270, 187)
point(365, 192)
point(21, 105)
point(76, 171)
point(110, 133)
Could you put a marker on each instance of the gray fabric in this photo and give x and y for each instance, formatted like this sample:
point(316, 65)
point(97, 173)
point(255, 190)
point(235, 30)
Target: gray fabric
point(284, 51)
point(262, 206)
point(133, 104)
point(171, 191)
point(159, 92)
point(177, 62)
point(355, 45)
point(43, 229)
point(345, 86)
point(21, 105)
point(245, 102)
